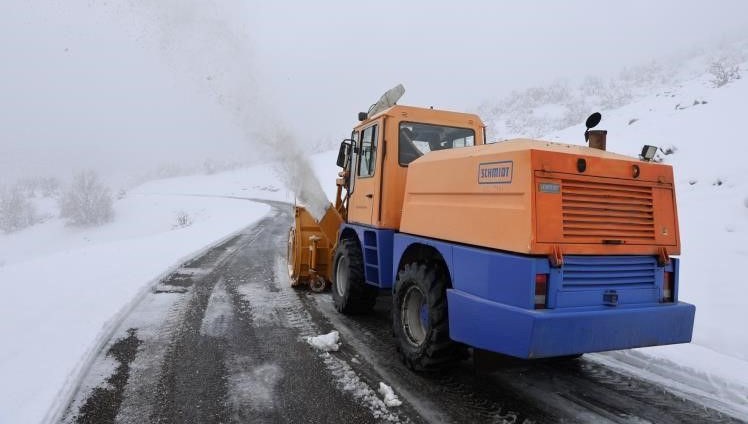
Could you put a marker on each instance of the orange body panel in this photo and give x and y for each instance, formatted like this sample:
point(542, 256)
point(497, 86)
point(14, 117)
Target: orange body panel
point(524, 196)
point(444, 200)
point(387, 185)
point(491, 196)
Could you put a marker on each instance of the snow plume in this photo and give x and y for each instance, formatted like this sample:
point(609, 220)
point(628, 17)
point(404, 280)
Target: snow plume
point(294, 169)
point(207, 42)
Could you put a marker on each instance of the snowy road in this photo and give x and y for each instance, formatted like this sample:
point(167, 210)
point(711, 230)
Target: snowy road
point(222, 340)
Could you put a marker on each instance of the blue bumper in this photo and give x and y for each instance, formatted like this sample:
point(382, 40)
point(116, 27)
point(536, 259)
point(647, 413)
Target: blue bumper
point(528, 333)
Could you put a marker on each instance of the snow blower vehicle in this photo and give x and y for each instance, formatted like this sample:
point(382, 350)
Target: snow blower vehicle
point(527, 248)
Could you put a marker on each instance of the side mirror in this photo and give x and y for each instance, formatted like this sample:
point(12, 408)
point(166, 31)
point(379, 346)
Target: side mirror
point(343, 154)
point(363, 116)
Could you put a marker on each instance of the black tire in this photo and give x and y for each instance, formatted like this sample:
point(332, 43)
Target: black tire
point(350, 293)
point(424, 347)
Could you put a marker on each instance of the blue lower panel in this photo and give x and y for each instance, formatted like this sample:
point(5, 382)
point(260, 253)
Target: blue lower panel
point(376, 244)
point(537, 334)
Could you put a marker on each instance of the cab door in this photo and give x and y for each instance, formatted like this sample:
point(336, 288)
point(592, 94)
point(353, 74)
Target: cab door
point(366, 175)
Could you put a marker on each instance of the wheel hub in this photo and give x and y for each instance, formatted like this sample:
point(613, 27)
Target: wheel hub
point(317, 284)
point(415, 316)
point(341, 276)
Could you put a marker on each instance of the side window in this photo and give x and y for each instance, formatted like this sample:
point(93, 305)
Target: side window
point(368, 156)
point(416, 139)
point(464, 141)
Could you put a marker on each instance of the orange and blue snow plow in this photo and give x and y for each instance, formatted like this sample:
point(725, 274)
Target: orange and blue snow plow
point(524, 247)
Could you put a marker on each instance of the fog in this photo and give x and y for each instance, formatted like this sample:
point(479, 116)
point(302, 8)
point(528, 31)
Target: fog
point(124, 86)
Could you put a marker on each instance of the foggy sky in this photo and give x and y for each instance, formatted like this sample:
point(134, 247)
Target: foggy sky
point(90, 84)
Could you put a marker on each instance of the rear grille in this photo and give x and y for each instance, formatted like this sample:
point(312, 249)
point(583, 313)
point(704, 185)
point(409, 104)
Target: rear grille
point(594, 211)
point(582, 272)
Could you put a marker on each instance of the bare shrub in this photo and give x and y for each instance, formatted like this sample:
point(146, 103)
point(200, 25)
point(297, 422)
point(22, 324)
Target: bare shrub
point(49, 186)
point(87, 201)
point(33, 186)
point(16, 210)
point(209, 167)
point(644, 75)
point(723, 72)
point(592, 86)
point(183, 219)
point(28, 186)
point(576, 112)
point(616, 95)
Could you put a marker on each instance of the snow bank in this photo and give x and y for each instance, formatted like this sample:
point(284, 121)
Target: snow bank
point(325, 342)
point(390, 398)
point(63, 286)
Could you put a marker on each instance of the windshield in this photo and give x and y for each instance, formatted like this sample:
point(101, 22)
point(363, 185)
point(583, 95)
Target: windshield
point(416, 139)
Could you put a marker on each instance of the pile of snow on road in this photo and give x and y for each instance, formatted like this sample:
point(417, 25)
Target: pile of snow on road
point(390, 398)
point(325, 342)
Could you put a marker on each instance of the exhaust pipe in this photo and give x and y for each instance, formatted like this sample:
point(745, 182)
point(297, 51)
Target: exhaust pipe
point(597, 138)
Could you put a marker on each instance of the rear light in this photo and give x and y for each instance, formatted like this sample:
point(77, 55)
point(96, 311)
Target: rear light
point(668, 290)
point(541, 290)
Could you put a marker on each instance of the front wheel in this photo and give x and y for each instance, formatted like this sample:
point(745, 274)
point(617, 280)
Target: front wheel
point(350, 293)
point(420, 320)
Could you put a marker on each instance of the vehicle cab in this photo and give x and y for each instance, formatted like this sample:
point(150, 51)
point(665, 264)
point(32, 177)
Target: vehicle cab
point(383, 147)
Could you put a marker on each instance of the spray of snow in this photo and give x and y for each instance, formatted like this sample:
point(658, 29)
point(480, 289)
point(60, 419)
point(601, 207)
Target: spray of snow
point(390, 398)
point(294, 169)
point(207, 43)
point(325, 342)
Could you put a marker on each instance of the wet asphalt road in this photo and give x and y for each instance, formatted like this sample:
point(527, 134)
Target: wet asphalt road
point(221, 340)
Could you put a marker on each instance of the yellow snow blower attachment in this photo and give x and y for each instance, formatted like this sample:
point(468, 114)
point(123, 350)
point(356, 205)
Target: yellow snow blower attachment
point(311, 245)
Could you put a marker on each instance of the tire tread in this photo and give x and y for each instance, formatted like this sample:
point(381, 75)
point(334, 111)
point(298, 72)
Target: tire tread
point(360, 297)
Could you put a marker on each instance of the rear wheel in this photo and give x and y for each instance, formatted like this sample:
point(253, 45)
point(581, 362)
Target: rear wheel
point(419, 317)
point(350, 293)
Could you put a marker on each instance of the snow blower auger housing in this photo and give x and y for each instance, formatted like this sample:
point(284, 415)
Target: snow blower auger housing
point(310, 247)
point(312, 242)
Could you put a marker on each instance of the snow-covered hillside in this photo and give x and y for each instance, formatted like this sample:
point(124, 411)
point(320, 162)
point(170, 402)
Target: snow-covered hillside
point(542, 110)
point(704, 127)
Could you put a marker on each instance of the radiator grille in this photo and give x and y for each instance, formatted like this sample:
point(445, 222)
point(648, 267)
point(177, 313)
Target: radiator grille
point(608, 271)
point(595, 211)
